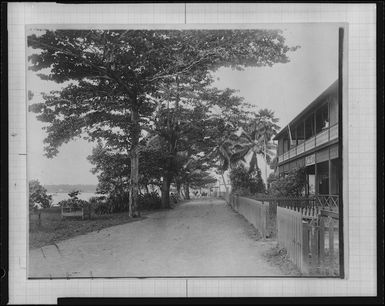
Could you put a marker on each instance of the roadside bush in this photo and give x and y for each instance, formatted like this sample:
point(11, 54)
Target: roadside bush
point(100, 206)
point(292, 184)
point(174, 197)
point(149, 201)
point(73, 203)
point(111, 204)
point(244, 182)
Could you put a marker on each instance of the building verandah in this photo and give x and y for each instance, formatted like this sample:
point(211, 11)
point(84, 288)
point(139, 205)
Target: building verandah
point(311, 141)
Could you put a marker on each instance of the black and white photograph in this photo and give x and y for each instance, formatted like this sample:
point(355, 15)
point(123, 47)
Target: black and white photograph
point(190, 150)
point(184, 152)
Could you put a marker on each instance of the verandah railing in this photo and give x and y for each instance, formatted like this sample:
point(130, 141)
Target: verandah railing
point(315, 203)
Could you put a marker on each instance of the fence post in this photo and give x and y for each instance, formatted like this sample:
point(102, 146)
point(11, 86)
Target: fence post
point(321, 242)
point(39, 216)
point(314, 247)
point(331, 239)
point(305, 244)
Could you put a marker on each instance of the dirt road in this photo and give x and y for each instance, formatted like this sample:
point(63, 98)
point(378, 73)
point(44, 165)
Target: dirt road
point(198, 238)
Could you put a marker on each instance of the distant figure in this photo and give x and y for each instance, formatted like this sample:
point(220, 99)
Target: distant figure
point(326, 124)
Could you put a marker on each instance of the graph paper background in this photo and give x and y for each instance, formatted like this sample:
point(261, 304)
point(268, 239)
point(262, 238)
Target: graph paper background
point(359, 149)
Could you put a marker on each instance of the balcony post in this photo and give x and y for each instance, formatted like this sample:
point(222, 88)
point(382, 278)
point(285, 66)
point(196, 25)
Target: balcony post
point(330, 174)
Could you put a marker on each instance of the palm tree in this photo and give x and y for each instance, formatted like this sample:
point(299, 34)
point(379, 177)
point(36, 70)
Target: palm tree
point(268, 127)
point(223, 153)
point(255, 138)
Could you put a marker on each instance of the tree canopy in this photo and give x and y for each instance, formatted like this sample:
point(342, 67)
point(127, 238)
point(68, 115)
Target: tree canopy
point(119, 81)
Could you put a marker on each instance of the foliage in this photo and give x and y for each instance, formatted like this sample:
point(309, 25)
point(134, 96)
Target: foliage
point(108, 205)
point(291, 184)
point(255, 139)
point(73, 203)
point(115, 203)
point(74, 194)
point(245, 182)
point(113, 169)
point(38, 195)
point(112, 75)
point(175, 198)
point(149, 201)
point(100, 205)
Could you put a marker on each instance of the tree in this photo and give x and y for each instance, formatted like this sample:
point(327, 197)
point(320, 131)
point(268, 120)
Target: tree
point(74, 194)
point(291, 184)
point(188, 125)
point(268, 128)
point(245, 182)
point(113, 172)
point(222, 128)
point(113, 72)
point(38, 195)
point(254, 139)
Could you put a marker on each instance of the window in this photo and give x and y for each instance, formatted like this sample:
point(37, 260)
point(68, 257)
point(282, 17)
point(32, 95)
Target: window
point(322, 118)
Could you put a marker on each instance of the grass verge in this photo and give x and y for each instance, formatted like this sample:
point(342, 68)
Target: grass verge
point(53, 229)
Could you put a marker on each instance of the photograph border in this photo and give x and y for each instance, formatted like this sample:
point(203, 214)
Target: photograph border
point(352, 14)
point(342, 78)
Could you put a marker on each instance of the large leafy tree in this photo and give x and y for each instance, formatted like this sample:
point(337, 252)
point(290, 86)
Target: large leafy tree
point(232, 113)
point(113, 170)
point(38, 196)
point(113, 72)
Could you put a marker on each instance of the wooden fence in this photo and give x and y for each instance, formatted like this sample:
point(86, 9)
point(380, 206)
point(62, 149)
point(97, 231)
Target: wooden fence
point(311, 242)
point(82, 212)
point(321, 244)
point(253, 211)
point(289, 229)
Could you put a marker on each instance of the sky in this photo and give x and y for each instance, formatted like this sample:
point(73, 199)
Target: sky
point(284, 88)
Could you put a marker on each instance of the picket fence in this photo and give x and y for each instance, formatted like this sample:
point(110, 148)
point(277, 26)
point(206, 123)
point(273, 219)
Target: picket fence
point(255, 212)
point(311, 241)
point(289, 234)
point(309, 232)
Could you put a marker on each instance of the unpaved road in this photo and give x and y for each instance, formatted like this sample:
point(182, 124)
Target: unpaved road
point(198, 238)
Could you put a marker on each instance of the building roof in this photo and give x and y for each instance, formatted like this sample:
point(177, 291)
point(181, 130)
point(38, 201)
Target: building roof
point(332, 89)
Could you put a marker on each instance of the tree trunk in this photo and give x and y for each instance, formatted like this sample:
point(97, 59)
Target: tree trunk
point(224, 182)
point(166, 193)
point(187, 191)
point(134, 155)
point(264, 142)
point(178, 187)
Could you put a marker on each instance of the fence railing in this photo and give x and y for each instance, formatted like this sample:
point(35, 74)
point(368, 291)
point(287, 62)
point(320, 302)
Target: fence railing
point(328, 202)
point(306, 205)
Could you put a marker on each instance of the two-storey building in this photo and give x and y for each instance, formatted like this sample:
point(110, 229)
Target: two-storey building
point(311, 140)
